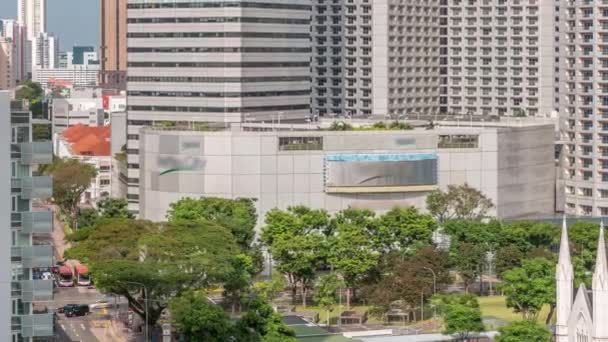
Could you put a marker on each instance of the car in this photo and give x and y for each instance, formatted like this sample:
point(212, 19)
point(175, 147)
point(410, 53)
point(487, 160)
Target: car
point(97, 306)
point(72, 310)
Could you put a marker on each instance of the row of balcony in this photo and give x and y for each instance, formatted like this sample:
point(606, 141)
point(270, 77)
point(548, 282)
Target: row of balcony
point(32, 153)
point(40, 256)
point(30, 291)
point(33, 187)
point(37, 325)
point(35, 222)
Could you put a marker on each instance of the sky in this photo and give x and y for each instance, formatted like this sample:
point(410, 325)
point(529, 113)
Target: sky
point(75, 22)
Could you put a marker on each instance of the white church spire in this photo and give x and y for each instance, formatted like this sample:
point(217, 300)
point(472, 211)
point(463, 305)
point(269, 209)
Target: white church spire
point(564, 277)
point(600, 291)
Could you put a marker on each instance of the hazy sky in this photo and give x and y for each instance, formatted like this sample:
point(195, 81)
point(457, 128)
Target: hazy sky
point(74, 21)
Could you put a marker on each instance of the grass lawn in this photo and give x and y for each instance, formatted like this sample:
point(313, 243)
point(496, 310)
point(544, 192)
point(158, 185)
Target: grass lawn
point(495, 307)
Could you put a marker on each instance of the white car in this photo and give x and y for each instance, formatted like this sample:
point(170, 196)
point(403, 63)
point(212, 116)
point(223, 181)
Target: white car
point(47, 276)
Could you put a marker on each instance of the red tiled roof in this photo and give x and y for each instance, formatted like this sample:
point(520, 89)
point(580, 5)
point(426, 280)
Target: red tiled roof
point(88, 141)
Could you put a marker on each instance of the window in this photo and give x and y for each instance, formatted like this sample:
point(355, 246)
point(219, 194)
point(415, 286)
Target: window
point(458, 141)
point(300, 143)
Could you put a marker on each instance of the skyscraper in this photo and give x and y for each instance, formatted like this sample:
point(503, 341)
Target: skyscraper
point(375, 57)
point(113, 49)
point(584, 111)
point(31, 14)
point(500, 57)
point(45, 51)
point(215, 62)
point(14, 36)
point(23, 261)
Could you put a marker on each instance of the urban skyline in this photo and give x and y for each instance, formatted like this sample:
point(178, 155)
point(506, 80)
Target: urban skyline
point(61, 20)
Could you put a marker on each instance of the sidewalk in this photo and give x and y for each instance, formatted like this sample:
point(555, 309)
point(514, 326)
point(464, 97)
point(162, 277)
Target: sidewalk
point(58, 234)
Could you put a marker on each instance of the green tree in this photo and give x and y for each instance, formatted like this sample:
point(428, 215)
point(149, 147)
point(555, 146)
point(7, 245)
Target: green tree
point(114, 208)
point(87, 217)
point(33, 92)
point(199, 320)
point(529, 287)
point(352, 251)
point(325, 292)
point(507, 258)
point(262, 323)
point(402, 279)
point(523, 331)
point(296, 242)
point(71, 178)
point(41, 132)
point(460, 313)
point(458, 202)
point(29, 90)
point(270, 289)
point(462, 320)
point(167, 259)
point(404, 230)
point(237, 282)
point(468, 260)
point(238, 215)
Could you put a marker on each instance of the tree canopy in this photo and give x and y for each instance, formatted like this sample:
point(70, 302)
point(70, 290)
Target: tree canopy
point(530, 286)
point(458, 202)
point(460, 313)
point(238, 215)
point(167, 259)
point(523, 331)
point(71, 178)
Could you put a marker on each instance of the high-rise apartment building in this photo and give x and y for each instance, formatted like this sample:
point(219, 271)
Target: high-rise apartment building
point(215, 62)
point(25, 264)
point(584, 115)
point(31, 14)
point(500, 57)
point(375, 57)
point(14, 36)
point(6, 63)
point(45, 51)
point(113, 49)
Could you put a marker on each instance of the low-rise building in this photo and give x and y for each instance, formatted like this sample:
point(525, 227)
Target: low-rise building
point(90, 145)
point(513, 164)
point(83, 107)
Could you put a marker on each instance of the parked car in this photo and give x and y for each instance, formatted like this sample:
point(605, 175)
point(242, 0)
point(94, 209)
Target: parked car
point(72, 310)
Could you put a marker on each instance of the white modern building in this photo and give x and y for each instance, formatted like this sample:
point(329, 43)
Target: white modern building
point(334, 170)
point(584, 114)
point(79, 76)
point(215, 62)
point(501, 57)
point(90, 145)
point(22, 259)
point(375, 57)
point(83, 107)
point(31, 14)
point(45, 52)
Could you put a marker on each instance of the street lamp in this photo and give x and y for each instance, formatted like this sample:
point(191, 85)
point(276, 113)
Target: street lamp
point(145, 306)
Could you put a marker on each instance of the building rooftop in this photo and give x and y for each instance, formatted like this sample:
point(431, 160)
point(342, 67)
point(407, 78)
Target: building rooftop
point(88, 141)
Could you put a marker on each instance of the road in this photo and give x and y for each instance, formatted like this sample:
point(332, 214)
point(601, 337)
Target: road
point(94, 327)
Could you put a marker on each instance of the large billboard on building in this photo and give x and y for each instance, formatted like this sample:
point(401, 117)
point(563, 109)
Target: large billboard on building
point(351, 173)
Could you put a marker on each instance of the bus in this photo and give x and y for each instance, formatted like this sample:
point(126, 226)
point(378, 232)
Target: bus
point(82, 277)
point(65, 276)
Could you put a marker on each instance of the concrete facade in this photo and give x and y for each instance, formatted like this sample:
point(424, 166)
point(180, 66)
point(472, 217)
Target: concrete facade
point(68, 112)
point(509, 164)
point(113, 50)
point(501, 57)
point(584, 112)
point(24, 260)
point(375, 57)
point(215, 62)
